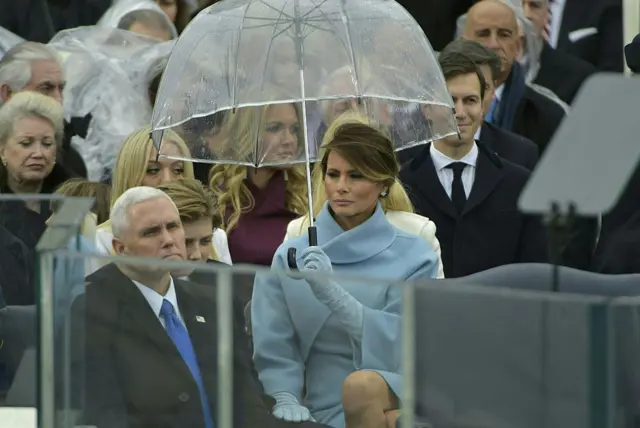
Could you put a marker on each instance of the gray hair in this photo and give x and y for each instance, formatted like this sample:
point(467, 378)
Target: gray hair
point(31, 104)
point(328, 95)
point(149, 18)
point(136, 195)
point(15, 65)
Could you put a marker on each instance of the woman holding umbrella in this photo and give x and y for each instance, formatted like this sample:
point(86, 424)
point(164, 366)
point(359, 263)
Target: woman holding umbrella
point(339, 340)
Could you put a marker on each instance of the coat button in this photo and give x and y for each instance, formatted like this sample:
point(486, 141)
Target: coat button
point(184, 397)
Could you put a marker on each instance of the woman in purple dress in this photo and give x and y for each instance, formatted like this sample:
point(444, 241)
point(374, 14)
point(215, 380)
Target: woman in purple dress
point(256, 204)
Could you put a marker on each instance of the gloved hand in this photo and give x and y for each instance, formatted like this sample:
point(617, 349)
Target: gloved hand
point(329, 292)
point(287, 408)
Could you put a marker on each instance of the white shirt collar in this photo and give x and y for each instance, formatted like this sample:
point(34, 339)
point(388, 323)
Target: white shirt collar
point(440, 160)
point(499, 92)
point(155, 299)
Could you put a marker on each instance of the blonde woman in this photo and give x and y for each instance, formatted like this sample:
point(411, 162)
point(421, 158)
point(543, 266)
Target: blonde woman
point(256, 204)
point(137, 165)
point(396, 205)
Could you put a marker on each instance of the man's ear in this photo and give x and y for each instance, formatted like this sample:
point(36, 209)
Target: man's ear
point(5, 92)
point(119, 248)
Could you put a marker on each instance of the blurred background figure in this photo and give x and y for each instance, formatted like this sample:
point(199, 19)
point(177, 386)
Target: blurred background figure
point(40, 20)
point(31, 126)
point(560, 71)
point(32, 66)
point(140, 16)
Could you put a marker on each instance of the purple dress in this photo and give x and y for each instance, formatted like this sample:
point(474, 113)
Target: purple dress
point(259, 232)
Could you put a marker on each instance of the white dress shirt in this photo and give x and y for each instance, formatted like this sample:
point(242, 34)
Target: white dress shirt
point(440, 162)
point(155, 300)
point(556, 8)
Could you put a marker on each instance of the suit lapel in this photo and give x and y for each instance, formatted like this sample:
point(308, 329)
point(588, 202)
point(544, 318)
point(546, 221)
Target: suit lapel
point(572, 13)
point(425, 180)
point(201, 323)
point(140, 318)
point(488, 175)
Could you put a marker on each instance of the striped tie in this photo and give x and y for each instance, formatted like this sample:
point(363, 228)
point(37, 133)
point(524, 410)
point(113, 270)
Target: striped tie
point(547, 26)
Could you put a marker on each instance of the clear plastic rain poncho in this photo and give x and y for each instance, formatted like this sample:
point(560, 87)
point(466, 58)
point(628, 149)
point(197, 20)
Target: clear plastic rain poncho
point(121, 8)
point(246, 71)
point(8, 40)
point(108, 72)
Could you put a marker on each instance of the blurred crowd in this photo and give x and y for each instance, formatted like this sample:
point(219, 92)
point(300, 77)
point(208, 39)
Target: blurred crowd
point(79, 81)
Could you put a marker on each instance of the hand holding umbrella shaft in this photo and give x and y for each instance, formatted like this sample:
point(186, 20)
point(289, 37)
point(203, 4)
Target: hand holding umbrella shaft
point(330, 293)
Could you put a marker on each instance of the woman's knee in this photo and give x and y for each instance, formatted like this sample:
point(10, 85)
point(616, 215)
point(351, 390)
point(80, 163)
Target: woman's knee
point(362, 389)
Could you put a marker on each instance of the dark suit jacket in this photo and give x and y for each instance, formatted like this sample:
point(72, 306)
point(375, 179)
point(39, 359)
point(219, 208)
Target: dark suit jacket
point(537, 118)
point(563, 73)
point(134, 376)
point(40, 20)
point(491, 231)
point(602, 49)
point(510, 146)
point(437, 18)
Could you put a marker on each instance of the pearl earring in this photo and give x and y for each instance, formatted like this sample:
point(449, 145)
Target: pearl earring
point(383, 194)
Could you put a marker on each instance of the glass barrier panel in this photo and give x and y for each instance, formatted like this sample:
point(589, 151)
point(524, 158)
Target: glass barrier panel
point(491, 357)
point(147, 342)
point(28, 226)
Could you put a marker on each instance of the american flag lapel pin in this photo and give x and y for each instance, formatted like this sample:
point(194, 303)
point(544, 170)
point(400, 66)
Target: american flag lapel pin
point(199, 318)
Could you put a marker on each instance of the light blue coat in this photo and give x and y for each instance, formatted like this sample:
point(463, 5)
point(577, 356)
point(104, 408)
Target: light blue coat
point(299, 343)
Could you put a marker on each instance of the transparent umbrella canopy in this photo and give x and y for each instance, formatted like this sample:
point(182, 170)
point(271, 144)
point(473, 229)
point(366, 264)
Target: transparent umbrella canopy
point(244, 71)
point(258, 82)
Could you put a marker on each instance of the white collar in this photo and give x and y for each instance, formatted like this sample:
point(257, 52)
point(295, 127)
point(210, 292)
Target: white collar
point(155, 299)
point(440, 160)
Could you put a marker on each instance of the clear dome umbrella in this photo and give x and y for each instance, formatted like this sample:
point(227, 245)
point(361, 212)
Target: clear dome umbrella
point(314, 58)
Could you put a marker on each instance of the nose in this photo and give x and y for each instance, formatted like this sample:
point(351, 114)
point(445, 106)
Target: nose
point(459, 109)
point(165, 175)
point(57, 95)
point(289, 138)
point(492, 41)
point(195, 255)
point(168, 239)
point(343, 185)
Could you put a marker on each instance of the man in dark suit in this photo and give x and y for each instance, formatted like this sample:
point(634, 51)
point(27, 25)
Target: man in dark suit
point(508, 145)
point(148, 344)
point(561, 72)
point(468, 191)
point(588, 29)
point(516, 107)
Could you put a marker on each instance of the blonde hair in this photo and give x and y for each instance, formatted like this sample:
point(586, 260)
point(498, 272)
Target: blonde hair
point(134, 154)
point(367, 147)
point(79, 187)
point(29, 104)
point(193, 200)
point(239, 134)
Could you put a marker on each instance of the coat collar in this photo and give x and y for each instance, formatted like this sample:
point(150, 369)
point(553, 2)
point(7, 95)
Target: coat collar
point(360, 243)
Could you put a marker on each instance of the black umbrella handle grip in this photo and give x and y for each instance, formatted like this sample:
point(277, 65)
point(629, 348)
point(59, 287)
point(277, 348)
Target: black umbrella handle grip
point(292, 252)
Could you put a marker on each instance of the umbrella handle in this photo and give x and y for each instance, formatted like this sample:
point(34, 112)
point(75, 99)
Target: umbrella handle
point(292, 252)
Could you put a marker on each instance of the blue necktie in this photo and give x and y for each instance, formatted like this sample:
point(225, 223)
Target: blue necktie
point(178, 333)
point(493, 110)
